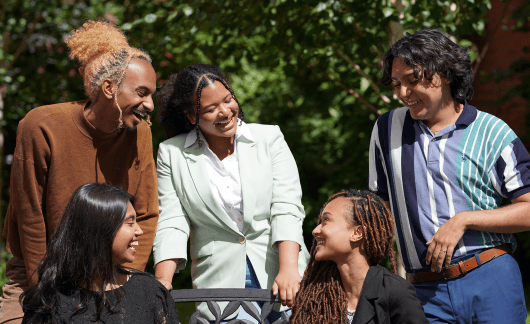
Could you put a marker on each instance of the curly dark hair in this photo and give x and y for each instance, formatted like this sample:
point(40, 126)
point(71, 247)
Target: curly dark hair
point(436, 53)
point(322, 298)
point(177, 98)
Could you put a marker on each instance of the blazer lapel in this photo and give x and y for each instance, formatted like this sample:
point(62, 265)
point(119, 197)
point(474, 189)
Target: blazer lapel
point(365, 308)
point(248, 168)
point(199, 174)
point(365, 311)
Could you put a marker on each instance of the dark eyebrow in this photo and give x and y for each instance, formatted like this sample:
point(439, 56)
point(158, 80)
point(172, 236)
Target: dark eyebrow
point(213, 104)
point(130, 217)
point(405, 76)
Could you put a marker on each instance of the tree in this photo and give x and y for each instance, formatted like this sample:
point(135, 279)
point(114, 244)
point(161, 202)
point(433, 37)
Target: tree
point(32, 53)
point(311, 67)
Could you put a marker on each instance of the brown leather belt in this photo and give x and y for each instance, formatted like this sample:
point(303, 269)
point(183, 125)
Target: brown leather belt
point(461, 267)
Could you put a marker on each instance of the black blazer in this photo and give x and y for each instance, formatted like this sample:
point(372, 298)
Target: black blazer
point(388, 298)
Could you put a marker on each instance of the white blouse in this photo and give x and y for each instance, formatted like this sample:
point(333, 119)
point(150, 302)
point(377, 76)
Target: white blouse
point(224, 175)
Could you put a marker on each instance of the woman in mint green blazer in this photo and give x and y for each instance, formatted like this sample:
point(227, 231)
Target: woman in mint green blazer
point(231, 188)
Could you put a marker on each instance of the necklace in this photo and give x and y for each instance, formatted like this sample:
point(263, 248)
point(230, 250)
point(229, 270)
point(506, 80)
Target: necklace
point(349, 315)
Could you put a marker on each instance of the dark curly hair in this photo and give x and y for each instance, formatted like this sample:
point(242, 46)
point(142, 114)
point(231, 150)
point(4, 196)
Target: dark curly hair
point(436, 53)
point(322, 298)
point(177, 98)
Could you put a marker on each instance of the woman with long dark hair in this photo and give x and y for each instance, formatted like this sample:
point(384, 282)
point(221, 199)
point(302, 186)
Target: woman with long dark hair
point(343, 282)
point(232, 188)
point(81, 279)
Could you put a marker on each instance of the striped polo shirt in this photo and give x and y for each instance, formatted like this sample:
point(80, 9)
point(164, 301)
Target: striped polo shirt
point(428, 179)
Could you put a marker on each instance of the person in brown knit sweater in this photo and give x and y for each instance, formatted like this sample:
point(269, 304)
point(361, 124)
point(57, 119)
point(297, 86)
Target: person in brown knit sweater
point(63, 146)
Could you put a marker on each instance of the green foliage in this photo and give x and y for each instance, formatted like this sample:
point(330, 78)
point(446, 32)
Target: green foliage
point(4, 256)
point(309, 66)
point(33, 53)
point(34, 66)
point(522, 18)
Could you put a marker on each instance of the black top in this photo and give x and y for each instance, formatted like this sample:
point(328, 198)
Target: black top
point(144, 300)
point(387, 298)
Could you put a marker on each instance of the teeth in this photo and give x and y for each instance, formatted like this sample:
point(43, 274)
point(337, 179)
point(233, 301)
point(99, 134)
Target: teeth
point(131, 245)
point(320, 242)
point(411, 103)
point(225, 122)
point(139, 113)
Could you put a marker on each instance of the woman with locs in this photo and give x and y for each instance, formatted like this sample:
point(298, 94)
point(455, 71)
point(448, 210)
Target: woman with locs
point(343, 282)
point(81, 279)
point(232, 188)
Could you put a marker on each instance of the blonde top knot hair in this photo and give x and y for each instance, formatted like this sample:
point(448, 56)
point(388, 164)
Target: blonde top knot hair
point(104, 52)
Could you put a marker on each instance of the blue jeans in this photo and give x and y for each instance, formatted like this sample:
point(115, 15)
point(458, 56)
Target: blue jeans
point(492, 293)
point(251, 282)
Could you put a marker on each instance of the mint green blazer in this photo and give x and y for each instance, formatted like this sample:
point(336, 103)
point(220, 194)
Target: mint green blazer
point(272, 210)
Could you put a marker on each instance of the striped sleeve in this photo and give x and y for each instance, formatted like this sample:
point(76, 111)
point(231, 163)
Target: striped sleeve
point(377, 177)
point(511, 172)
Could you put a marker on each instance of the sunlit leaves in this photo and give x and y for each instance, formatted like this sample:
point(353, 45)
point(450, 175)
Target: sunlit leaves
point(275, 52)
point(291, 63)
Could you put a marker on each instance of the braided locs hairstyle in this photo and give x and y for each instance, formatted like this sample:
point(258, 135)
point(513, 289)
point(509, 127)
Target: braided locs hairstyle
point(104, 52)
point(322, 298)
point(182, 96)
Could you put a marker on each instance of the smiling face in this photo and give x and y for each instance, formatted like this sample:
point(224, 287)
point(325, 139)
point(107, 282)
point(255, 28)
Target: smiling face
point(218, 113)
point(126, 239)
point(424, 98)
point(135, 92)
point(335, 233)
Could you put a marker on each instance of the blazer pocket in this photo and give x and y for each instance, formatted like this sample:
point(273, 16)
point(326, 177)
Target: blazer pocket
point(201, 249)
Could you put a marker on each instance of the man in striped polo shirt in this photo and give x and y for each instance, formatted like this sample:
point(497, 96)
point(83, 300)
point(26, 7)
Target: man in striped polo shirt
point(444, 167)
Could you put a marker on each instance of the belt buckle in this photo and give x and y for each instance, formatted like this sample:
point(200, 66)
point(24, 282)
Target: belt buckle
point(447, 268)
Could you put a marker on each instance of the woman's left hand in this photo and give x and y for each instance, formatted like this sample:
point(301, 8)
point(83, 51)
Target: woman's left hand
point(287, 282)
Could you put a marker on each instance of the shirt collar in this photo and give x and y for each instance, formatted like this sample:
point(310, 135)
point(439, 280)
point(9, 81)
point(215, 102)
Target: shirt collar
point(242, 132)
point(468, 115)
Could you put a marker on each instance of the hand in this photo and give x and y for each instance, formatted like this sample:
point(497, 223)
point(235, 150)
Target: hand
point(164, 271)
point(166, 283)
point(287, 283)
point(444, 241)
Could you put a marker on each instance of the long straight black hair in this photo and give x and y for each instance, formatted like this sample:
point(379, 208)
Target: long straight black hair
point(79, 254)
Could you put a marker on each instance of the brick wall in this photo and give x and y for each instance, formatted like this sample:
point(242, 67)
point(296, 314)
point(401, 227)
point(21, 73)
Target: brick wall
point(503, 48)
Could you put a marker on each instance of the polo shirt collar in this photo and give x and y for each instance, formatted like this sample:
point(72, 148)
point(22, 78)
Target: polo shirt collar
point(468, 115)
point(242, 133)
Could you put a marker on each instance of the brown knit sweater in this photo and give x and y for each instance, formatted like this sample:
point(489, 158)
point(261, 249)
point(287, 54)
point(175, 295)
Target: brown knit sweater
point(57, 151)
